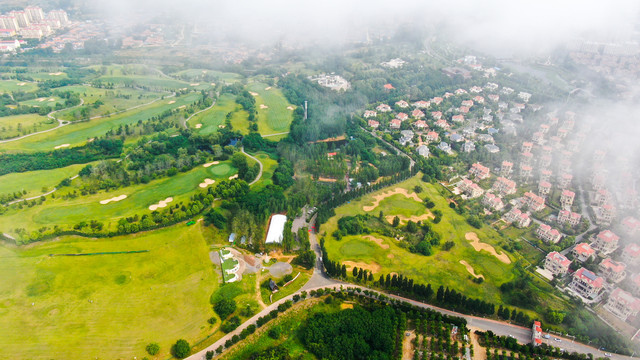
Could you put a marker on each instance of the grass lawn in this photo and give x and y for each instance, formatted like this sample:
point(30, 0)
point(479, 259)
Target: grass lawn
point(198, 74)
point(107, 306)
point(28, 123)
point(212, 119)
point(287, 290)
point(269, 165)
point(78, 134)
point(276, 118)
point(45, 101)
point(441, 268)
point(155, 83)
point(34, 181)
point(8, 86)
point(69, 212)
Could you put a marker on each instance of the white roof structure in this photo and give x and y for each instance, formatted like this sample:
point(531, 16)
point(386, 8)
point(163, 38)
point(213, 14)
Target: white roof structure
point(276, 229)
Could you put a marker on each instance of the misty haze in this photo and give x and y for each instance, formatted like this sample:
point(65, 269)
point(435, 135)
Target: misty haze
point(324, 180)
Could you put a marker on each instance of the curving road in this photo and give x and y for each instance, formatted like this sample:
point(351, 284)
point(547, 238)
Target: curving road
point(259, 163)
point(184, 123)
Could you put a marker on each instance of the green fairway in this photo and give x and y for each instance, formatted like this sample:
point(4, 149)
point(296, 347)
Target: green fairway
point(78, 134)
point(269, 165)
point(275, 118)
point(155, 83)
point(105, 306)
point(50, 101)
point(7, 86)
point(17, 125)
point(441, 268)
point(212, 119)
point(33, 182)
point(66, 213)
point(200, 74)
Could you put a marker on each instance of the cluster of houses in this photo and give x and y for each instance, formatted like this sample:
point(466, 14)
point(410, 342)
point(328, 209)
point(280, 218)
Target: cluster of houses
point(31, 23)
point(464, 117)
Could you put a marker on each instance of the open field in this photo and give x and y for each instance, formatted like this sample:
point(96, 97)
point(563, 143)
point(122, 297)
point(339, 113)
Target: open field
point(63, 212)
point(105, 306)
point(28, 123)
point(198, 74)
point(155, 83)
point(50, 101)
point(275, 118)
point(34, 181)
point(78, 134)
point(212, 119)
point(441, 268)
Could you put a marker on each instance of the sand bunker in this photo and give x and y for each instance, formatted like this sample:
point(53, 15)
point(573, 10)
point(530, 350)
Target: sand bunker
point(268, 88)
point(196, 84)
point(211, 163)
point(62, 146)
point(380, 242)
point(206, 183)
point(198, 126)
point(384, 195)
point(55, 73)
point(41, 99)
point(373, 267)
point(478, 246)
point(182, 107)
point(253, 93)
point(160, 204)
point(21, 84)
point(52, 99)
point(470, 270)
point(171, 102)
point(213, 84)
point(263, 106)
point(289, 107)
point(113, 199)
point(233, 177)
point(222, 126)
point(414, 218)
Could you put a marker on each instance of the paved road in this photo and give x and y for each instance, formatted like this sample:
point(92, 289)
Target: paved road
point(400, 152)
point(282, 133)
point(258, 161)
point(184, 123)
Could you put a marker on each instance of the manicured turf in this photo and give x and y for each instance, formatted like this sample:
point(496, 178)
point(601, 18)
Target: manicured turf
point(212, 119)
point(29, 123)
point(8, 86)
point(78, 134)
point(66, 213)
point(442, 268)
point(197, 74)
point(34, 181)
point(107, 306)
point(155, 83)
point(276, 118)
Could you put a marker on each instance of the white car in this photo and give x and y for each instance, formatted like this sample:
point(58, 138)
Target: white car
point(607, 354)
point(556, 339)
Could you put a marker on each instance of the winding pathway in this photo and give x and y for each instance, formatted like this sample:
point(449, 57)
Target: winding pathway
point(258, 161)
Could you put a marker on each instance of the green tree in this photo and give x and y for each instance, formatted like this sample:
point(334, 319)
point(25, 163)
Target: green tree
point(181, 349)
point(224, 308)
point(396, 221)
point(153, 348)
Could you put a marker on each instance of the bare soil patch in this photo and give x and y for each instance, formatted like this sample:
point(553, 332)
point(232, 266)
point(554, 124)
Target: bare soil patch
point(478, 246)
point(325, 179)
point(344, 306)
point(378, 198)
point(470, 270)
point(407, 345)
point(373, 267)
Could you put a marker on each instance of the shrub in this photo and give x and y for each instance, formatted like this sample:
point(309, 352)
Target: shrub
point(153, 348)
point(224, 308)
point(275, 332)
point(181, 349)
point(230, 325)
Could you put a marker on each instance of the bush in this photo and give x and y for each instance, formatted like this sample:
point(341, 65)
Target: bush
point(153, 348)
point(287, 278)
point(224, 308)
point(275, 332)
point(212, 320)
point(209, 355)
point(230, 325)
point(181, 349)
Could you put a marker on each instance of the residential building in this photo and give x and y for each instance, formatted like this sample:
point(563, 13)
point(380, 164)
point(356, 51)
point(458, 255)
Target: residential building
point(395, 124)
point(630, 225)
point(437, 100)
point(565, 216)
point(556, 263)
point(631, 254)
point(370, 113)
point(402, 104)
point(606, 242)
point(9, 45)
point(505, 169)
point(34, 13)
point(456, 138)
point(491, 148)
point(417, 114)
point(373, 124)
point(492, 201)
point(566, 199)
point(524, 96)
point(526, 158)
point(432, 136)
point(402, 116)
point(479, 171)
point(545, 175)
point(622, 304)
point(586, 284)
point(602, 197)
point(421, 124)
point(457, 118)
point(544, 188)
point(494, 97)
point(635, 284)
point(583, 252)
point(443, 124)
point(423, 150)
point(383, 108)
point(548, 234)
point(517, 217)
point(614, 271)
point(59, 15)
point(468, 146)
point(504, 186)
point(467, 103)
point(421, 104)
point(436, 115)
point(533, 201)
point(479, 99)
point(9, 22)
point(406, 137)
point(22, 18)
point(525, 172)
point(527, 147)
point(536, 333)
point(445, 147)
point(605, 214)
point(538, 137)
point(471, 189)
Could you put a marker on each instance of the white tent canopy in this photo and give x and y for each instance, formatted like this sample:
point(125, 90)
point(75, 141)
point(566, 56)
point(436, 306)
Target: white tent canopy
point(276, 229)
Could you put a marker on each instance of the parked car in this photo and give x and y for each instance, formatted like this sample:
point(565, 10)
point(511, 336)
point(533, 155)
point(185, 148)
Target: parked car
point(546, 336)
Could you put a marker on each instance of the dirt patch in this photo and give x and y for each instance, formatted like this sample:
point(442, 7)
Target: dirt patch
point(478, 246)
point(344, 306)
point(263, 106)
point(414, 218)
point(324, 179)
point(470, 270)
point(479, 353)
point(211, 163)
point(113, 199)
point(280, 269)
point(380, 242)
point(373, 267)
point(62, 146)
point(278, 255)
point(407, 345)
point(390, 256)
point(206, 183)
point(378, 198)
point(160, 204)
